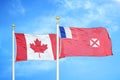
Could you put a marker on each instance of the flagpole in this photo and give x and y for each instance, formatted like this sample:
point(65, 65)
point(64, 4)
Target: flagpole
point(13, 54)
point(57, 51)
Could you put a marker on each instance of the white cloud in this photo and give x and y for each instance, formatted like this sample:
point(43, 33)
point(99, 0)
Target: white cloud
point(16, 7)
point(39, 25)
point(88, 5)
point(70, 21)
point(72, 4)
point(83, 13)
point(76, 8)
point(45, 24)
point(78, 13)
point(117, 1)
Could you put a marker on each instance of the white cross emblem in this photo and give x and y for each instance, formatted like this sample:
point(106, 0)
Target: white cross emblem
point(94, 42)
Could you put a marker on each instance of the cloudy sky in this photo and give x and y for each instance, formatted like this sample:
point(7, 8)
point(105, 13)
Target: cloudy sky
point(38, 17)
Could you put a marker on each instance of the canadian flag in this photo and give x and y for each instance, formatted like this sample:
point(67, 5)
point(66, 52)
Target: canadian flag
point(85, 41)
point(35, 47)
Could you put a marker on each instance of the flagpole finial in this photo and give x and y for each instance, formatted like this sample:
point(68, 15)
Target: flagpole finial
point(57, 17)
point(13, 25)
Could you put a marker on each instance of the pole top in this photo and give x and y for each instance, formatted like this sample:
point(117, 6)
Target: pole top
point(57, 17)
point(13, 25)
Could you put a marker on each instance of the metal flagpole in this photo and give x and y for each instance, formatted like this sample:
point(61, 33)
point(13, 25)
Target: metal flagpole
point(57, 51)
point(13, 54)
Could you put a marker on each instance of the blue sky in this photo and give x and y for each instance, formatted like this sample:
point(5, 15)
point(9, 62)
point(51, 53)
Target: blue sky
point(38, 17)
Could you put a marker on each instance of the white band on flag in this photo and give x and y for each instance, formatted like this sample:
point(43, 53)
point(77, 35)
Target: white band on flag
point(45, 39)
point(68, 32)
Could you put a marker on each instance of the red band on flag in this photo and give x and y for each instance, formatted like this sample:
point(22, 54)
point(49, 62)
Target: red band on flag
point(21, 47)
point(53, 42)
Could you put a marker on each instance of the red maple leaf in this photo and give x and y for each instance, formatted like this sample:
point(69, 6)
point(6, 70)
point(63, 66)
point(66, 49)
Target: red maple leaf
point(38, 47)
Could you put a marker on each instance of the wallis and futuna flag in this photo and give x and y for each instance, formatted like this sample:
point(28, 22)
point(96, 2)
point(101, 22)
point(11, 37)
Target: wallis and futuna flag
point(85, 41)
point(35, 47)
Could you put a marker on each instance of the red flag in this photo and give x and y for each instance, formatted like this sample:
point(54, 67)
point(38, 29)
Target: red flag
point(87, 42)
